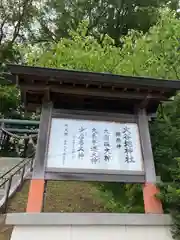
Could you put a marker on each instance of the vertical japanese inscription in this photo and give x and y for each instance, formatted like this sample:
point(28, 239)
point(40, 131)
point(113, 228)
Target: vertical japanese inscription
point(107, 148)
point(81, 143)
point(73, 147)
point(65, 142)
point(118, 140)
point(94, 149)
point(128, 146)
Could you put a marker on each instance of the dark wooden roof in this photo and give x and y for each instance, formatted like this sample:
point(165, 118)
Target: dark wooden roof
point(77, 89)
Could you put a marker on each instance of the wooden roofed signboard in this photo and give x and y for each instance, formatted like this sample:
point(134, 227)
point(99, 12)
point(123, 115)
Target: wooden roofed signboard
point(94, 126)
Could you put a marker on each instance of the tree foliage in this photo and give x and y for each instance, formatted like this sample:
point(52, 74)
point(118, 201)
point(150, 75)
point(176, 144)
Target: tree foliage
point(16, 17)
point(154, 54)
point(111, 17)
point(24, 22)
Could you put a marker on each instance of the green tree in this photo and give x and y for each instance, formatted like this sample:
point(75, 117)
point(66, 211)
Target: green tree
point(111, 17)
point(16, 20)
point(32, 21)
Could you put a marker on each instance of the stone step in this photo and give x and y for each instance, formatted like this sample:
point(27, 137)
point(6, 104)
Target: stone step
point(2, 220)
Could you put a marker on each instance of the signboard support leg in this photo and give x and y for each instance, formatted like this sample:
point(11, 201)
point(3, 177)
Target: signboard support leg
point(151, 203)
point(37, 185)
point(35, 197)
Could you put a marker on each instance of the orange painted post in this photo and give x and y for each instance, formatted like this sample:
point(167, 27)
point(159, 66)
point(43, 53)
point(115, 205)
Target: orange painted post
point(37, 184)
point(35, 197)
point(151, 203)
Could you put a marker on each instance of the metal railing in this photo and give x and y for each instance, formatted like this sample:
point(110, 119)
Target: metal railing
point(17, 136)
point(6, 179)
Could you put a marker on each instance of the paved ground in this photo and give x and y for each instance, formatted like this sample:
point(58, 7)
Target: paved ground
point(7, 163)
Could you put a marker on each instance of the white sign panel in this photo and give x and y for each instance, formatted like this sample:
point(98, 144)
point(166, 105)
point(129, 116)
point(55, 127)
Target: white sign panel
point(86, 144)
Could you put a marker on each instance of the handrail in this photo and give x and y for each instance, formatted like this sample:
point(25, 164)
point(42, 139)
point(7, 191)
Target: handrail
point(10, 170)
point(14, 173)
point(9, 179)
point(18, 130)
point(19, 121)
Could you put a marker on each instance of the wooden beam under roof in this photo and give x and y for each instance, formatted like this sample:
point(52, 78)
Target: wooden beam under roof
point(90, 77)
point(45, 84)
point(119, 94)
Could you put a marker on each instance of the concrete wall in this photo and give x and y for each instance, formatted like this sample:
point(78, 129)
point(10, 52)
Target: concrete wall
point(71, 226)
